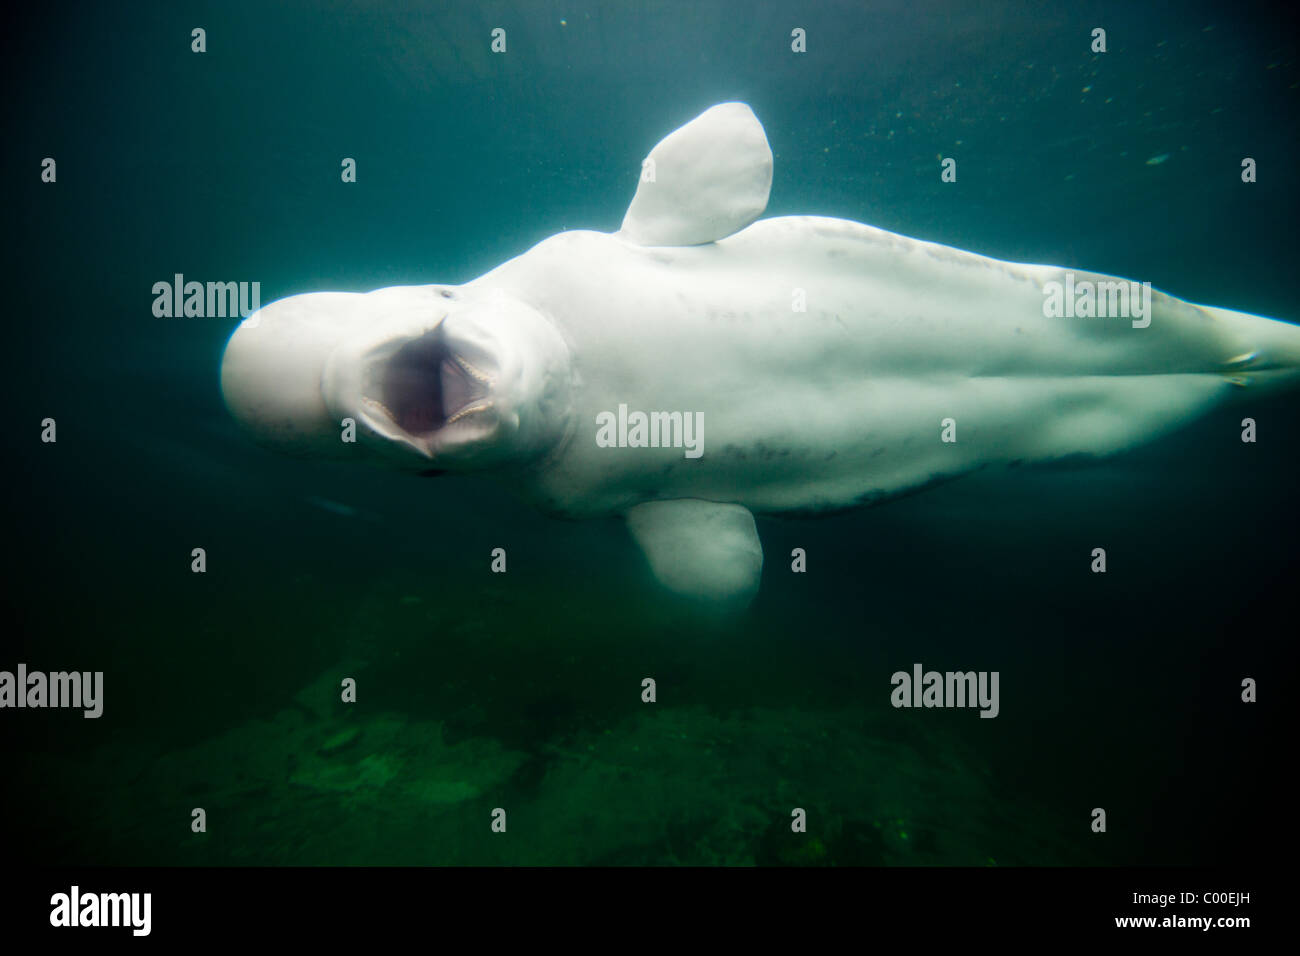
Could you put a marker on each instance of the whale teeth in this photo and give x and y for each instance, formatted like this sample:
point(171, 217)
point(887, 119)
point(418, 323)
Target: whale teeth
point(469, 410)
point(460, 389)
point(376, 405)
point(471, 370)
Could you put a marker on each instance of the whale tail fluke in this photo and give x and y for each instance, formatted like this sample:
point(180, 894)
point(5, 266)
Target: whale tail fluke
point(1271, 349)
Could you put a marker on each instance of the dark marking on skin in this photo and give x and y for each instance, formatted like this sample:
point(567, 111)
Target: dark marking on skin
point(874, 497)
point(765, 453)
point(447, 293)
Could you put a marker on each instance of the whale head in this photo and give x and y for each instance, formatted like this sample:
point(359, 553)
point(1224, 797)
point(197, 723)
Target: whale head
point(427, 378)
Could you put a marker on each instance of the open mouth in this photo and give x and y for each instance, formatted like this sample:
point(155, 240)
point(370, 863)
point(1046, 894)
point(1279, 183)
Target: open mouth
point(426, 386)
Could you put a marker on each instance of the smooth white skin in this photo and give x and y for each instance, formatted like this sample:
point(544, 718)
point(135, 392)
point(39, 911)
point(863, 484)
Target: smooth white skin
point(804, 411)
point(842, 404)
point(821, 410)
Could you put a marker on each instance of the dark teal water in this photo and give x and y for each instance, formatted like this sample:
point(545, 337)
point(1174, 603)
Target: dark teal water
point(480, 691)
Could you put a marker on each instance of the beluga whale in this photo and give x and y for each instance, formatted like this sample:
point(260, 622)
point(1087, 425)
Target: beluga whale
point(701, 365)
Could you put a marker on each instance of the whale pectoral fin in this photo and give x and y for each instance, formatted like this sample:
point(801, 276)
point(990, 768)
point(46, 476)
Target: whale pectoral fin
point(703, 182)
point(700, 549)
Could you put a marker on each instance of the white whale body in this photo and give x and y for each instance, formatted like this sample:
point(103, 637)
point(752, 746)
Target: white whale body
point(822, 359)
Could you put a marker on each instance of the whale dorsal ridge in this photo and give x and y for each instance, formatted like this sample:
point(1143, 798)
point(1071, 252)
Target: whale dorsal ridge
point(703, 182)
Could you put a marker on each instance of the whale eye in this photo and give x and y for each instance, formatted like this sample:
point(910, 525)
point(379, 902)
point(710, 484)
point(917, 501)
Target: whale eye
point(447, 293)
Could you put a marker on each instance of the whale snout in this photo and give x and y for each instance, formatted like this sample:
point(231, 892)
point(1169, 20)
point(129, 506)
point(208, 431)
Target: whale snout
point(271, 372)
point(302, 374)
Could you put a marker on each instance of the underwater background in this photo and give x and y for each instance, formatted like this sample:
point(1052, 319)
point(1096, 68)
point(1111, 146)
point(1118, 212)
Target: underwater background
point(522, 691)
